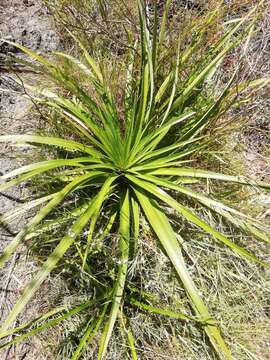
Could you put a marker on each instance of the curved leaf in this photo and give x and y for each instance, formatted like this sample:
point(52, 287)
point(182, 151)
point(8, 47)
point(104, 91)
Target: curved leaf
point(49, 265)
point(205, 174)
point(121, 277)
point(59, 142)
point(165, 234)
point(190, 216)
point(56, 200)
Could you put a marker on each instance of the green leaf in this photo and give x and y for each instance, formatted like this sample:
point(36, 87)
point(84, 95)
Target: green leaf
point(45, 166)
point(248, 223)
point(49, 265)
point(165, 234)
point(190, 216)
point(47, 323)
point(56, 200)
point(21, 209)
point(62, 143)
point(98, 201)
point(156, 310)
point(205, 174)
point(89, 334)
point(126, 329)
point(135, 225)
point(121, 277)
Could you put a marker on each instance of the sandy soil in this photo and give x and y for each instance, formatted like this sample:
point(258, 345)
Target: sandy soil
point(28, 23)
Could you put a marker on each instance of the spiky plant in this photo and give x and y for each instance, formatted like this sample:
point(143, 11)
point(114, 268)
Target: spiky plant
point(121, 168)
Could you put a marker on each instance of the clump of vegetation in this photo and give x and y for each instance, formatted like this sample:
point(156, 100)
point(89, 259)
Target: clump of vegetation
point(126, 168)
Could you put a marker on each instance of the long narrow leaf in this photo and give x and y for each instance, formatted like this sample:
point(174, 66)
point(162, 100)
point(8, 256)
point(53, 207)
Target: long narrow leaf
point(190, 216)
point(165, 234)
point(121, 277)
point(205, 174)
point(49, 265)
point(56, 200)
point(63, 143)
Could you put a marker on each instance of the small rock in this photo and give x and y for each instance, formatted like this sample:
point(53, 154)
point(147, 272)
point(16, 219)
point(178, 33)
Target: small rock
point(28, 3)
point(12, 101)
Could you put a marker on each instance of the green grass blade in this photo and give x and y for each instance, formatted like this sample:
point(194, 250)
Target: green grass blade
point(21, 209)
point(222, 47)
point(56, 74)
point(121, 277)
point(132, 344)
point(135, 225)
point(205, 200)
point(149, 44)
point(109, 225)
point(89, 334)
point(164, 21)
point(211, 114)
point(45, 166)
point(187, 91)
point(77, 115)
point(156, 153)
point(249, 85)
point(49, 265)
point(151, 141)
point(30, 53)
point(164, 118)
point(62, 143)
point(190, 216)
point(32, 323)
point(247, 223)
point(163, 87)
point(91, 62)
point(126, 329)
point(164, 312)
point(166, 236)
point(57, 222)
point(99, 200)
point(46, 325)
point(129, 98)
point(56, 200)
point(157, 164)
point(205, 174)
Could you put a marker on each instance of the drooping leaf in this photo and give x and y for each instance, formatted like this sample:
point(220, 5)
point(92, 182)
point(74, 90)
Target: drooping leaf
point(166, 236)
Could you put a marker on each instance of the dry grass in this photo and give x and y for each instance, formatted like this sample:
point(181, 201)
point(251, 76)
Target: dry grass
point(236, 291)
point(234, 288)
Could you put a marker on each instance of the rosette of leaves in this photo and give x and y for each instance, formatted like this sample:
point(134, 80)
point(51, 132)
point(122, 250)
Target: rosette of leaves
point(130, 165)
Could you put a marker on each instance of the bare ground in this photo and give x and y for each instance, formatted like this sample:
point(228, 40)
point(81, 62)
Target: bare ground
point(28, 23)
